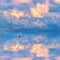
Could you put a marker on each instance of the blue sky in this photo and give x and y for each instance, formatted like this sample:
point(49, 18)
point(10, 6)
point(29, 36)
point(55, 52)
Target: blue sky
point(29, 29)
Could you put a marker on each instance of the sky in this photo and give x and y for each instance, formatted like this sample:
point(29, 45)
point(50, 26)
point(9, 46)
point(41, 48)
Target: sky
point(29, 29)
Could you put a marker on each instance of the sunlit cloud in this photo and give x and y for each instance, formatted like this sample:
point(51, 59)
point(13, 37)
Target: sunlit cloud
point(39, 51)
point(14, 48)
point(17, 13)
point(17, 47)
point(17, 58)
point(40, 10)
point(14, 2)
point(57, 1)
point(14, 13)
point(14, 16)
point(17, 2)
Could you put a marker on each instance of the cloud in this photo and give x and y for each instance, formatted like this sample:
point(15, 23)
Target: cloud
point(58, 58)
point(39, 51)
point(17, 47)
point(17, 2)
point(13, 48)
point(14, 2)
point(14, 16)
point(57, 1)
point(17, 13)
point(38, 23)
point(18, 58)
point(2, 2)
point(38, 38)
point(53, 45)
point(40, 10)
point(4, 57)
point(14, 13)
